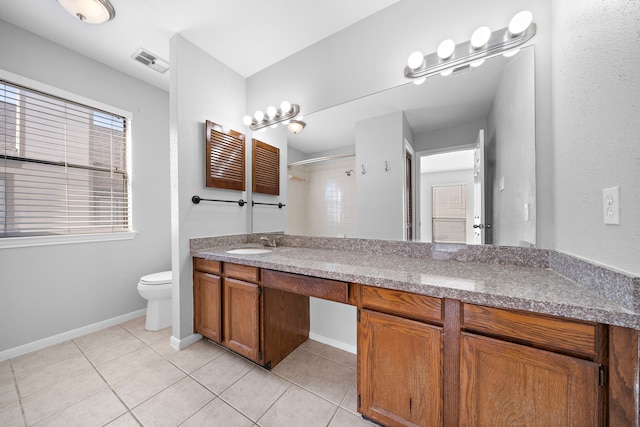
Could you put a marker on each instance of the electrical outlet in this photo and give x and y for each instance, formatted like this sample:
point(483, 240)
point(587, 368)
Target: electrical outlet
point(611, 205)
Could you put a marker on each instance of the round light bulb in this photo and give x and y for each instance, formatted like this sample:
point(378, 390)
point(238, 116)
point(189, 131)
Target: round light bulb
point(520, 22)
point(247, 120)
point(419, 80)
point(480, 37)
point(477, 63)
point(446, 48)
point(285, 107)
point(259, 116)
point(271, 112)
point(446, 73)
point(416, 59)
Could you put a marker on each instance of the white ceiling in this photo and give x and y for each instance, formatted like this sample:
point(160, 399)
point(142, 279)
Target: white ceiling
point(246, 35)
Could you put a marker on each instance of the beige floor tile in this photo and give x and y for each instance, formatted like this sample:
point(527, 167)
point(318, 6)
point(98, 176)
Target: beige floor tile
point(129, 364)
point(218, 414)
point(8, 393)
point(101, 338)
point(298, 407)
point(350, 401)
point(152, 338)
point(223, 371)
point(47, 402)
point(5, 371)
point(173, 405)
point(30, 382)
point(96, 410)
point(195, 356)
point(314, 346)
point(340, 356)
point(294, 364)
point(254, 393)
point(42, 358)
point(344, 418)
point(113, 350)
point(11, 415)
point(126, 420)
point(146, 383)
point(327, 378)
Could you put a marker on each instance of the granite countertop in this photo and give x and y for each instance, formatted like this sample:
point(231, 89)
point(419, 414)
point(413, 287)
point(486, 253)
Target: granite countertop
point(534, 288)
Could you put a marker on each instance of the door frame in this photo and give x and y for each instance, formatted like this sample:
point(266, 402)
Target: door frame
point(417, 181)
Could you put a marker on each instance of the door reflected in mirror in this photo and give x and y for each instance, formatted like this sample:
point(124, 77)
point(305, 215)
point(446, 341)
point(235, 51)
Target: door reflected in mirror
point(359, 185)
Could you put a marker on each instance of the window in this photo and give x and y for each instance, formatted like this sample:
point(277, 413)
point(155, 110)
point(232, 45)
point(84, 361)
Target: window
point(63, 166)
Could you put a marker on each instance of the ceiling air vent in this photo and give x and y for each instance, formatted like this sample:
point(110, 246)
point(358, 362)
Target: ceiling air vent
point(151, 60)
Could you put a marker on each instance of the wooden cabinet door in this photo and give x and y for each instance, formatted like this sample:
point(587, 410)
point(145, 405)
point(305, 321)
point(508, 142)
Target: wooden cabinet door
point(505, 384)
point(241, 318)
point(207, 305)
point(400, 370)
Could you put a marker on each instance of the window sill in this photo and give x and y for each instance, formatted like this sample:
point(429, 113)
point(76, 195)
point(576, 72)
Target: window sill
point(24, 242)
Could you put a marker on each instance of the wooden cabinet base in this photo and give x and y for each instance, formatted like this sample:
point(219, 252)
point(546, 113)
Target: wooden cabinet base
point(285, 324)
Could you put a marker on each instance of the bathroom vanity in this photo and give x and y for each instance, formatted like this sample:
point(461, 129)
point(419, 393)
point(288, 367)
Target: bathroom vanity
point(449, 335)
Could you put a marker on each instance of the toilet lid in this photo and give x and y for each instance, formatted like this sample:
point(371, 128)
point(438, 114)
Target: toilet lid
point(161, 278)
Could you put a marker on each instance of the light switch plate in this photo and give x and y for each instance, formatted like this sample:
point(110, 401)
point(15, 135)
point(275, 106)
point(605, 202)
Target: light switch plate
point(611, 205)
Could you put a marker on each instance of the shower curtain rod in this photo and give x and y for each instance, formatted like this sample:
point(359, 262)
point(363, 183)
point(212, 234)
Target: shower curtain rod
point(320, 159)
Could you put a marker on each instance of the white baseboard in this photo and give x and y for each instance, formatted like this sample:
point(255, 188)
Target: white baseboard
point(333, 343)
point(65, 336)
point(180, 344)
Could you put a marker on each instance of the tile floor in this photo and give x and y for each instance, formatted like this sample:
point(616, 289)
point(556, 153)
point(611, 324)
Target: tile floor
point(127, 376)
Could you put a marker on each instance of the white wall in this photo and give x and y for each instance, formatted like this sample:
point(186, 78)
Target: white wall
point(202, 88)
point(509, 137)
point(596, 58)
point(379, 198)
point(50, 290)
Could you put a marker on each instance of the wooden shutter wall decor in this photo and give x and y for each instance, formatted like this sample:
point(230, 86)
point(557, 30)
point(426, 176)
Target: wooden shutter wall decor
point(266, 168)
point(225, 158)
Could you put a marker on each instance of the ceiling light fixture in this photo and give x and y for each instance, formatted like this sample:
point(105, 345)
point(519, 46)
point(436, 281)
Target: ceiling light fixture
point(296, 126)
point(90, 11)
point(483, 44)
point(274, 116)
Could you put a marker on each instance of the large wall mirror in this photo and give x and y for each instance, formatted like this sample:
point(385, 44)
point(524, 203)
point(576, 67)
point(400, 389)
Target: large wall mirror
point(451, 160)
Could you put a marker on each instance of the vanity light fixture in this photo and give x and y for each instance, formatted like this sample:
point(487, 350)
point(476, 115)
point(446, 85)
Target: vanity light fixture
point(274, 116)
point(483, 44)
point(90, 11)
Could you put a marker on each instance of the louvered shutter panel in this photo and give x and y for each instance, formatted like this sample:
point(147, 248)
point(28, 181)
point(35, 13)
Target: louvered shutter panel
point(266, 168)
point(225, 158)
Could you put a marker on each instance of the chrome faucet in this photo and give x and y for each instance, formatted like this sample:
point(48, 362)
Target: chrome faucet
point(266, 241)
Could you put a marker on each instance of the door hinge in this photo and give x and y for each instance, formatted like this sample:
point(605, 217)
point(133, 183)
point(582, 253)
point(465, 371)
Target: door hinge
point(259, 290)
point(359, 401)
point(602, 377)
point(410, 405)
point(358, 315)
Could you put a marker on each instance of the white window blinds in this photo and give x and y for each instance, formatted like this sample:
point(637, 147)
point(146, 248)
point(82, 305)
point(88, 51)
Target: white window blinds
point(63, 166)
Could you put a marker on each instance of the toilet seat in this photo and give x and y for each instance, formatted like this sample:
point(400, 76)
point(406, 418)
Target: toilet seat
point(161, 278)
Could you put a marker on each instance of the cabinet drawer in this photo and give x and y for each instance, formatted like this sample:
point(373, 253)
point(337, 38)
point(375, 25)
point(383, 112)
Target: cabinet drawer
point(402, 303)
point(305, 285)
point(242, 272)
point(568, 336)
point(206, 265)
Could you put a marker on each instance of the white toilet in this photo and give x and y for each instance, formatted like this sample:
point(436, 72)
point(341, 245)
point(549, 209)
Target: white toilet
point(156, 289)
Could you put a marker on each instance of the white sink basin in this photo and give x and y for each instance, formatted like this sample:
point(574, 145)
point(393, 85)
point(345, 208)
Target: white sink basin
point(249, 251)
